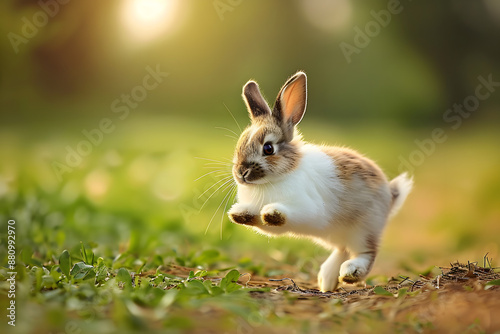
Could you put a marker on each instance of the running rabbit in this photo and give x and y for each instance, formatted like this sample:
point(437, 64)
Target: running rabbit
point(333, 195)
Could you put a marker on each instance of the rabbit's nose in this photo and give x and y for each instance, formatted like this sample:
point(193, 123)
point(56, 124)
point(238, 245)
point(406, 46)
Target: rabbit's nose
point(244, 173)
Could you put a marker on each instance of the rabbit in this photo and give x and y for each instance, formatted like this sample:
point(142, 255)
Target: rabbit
point(332, 195)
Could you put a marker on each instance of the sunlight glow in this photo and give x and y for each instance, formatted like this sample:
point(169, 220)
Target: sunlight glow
point(145, 20)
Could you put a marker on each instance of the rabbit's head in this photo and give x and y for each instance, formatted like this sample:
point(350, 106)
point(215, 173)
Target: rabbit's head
point(269, 148)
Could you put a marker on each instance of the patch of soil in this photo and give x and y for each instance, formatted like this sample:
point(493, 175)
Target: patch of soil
point(457, 300)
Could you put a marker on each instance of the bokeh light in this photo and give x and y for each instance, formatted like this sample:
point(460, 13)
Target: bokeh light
point(327, 15)
point(145, 20)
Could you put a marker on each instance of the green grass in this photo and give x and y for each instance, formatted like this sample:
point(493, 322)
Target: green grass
point(93, 249)
point(90, 291)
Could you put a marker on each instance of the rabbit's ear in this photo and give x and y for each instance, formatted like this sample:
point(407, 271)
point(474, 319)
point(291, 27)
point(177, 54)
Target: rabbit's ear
point(291, 103)
point(256, 105)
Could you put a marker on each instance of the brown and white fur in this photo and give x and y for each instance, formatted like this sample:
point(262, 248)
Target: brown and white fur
point(332, 195)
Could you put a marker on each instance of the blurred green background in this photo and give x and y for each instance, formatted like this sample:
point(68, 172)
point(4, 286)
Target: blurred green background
point(109, 109)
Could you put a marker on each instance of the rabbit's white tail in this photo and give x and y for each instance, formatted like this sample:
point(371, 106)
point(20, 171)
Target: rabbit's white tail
point(400, 188)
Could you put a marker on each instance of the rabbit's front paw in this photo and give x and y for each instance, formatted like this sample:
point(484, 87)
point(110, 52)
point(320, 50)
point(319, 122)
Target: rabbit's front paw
point(241, 215)
point(244, 218)
point(272, 216)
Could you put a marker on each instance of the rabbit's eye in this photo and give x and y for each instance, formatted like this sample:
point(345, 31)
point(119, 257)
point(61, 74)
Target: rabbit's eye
point(268, 149)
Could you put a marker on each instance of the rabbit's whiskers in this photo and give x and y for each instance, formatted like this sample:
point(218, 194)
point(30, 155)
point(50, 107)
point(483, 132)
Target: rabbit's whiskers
point(221, 169)
point(231, 193)
point(224, 181)
point(227, 187)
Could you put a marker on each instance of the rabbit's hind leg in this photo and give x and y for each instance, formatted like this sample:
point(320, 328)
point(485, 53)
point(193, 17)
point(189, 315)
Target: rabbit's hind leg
point(328, 276)
point(359, 265)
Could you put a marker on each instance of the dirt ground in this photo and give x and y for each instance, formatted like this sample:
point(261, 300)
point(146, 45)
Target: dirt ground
point(458, 300)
